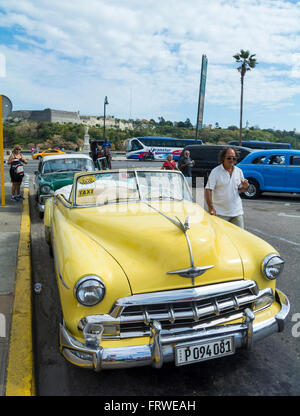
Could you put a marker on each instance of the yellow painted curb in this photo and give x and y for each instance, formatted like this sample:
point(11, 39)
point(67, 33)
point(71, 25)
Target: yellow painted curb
point(20, 375)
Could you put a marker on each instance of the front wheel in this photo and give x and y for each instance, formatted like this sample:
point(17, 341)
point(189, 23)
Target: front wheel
point(253, 191)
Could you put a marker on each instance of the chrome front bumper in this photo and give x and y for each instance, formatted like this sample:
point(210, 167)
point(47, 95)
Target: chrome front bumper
point(161, 348)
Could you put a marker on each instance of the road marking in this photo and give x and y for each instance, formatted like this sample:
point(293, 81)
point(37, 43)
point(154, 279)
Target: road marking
point(283, 214)
point(275, 236)
point(20, 375)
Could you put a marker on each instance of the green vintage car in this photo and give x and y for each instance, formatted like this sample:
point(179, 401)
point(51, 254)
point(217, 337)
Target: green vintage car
point(54, 172)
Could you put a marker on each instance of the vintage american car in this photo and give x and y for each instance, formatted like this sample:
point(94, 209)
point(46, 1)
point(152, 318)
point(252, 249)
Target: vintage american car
point(146, 276)
point(55, 172)
point(271, 171)
point(48, 152)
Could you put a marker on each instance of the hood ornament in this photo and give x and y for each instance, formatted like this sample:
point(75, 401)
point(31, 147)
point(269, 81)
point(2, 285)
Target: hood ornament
point(193, 271)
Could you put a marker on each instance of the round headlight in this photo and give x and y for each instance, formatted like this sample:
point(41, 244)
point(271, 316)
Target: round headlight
point(272, 266)
point(45, 189)
point(89, 290)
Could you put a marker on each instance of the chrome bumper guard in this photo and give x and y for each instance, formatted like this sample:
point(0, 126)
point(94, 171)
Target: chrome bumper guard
point(42, 201)
point(161, 348)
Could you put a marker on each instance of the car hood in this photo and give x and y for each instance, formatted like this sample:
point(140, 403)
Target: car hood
point(147, 245)
point(58, 179)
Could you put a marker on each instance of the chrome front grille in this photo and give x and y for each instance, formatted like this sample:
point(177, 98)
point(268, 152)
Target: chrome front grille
point(179, 315)
point(179, 310)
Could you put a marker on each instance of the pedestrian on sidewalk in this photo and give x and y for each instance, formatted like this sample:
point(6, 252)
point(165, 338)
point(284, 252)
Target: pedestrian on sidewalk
point(223, 188)
point(16, 160)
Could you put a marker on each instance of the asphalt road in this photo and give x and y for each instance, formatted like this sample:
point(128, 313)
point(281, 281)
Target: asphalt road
point(271, 368)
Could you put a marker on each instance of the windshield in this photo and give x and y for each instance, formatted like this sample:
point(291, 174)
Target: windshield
point(122, 186)
point(61, 165)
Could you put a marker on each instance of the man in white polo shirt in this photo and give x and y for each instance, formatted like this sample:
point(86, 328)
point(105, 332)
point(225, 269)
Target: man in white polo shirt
point(223, 188)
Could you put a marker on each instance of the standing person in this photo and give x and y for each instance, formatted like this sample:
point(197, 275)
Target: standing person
point(223, 187)
point(169, 164)
point(106, 146)
point(16, 160)
point(185, 164)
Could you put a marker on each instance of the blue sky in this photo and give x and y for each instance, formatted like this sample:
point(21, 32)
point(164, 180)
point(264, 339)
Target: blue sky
point(146, 57)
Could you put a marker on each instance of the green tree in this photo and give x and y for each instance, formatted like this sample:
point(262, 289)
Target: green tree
point(247, 62)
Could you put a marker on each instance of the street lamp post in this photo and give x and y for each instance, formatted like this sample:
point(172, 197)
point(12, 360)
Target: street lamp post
point(105, 104)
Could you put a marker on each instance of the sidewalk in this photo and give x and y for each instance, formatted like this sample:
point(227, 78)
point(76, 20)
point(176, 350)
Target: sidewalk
point(12, 269)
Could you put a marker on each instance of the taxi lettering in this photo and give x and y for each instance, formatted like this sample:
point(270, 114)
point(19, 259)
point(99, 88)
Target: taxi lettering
point(85, 192)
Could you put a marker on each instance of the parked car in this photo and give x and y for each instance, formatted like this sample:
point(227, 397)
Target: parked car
point(271, 170)
point(55, 172)
point(206, 158)
point(146, 276)
point(260, 144)
point(47, 152)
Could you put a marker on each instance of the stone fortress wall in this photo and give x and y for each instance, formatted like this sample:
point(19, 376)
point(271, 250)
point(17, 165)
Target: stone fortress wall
point(59, 116)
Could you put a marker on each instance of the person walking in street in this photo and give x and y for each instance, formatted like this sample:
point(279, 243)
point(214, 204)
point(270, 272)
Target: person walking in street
point(16, 160)
point(223, 188)
point(169, 164)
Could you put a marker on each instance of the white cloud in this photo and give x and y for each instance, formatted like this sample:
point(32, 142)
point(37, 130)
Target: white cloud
point(71, 54)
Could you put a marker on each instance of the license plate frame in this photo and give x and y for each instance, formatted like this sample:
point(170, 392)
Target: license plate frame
point(212, 349)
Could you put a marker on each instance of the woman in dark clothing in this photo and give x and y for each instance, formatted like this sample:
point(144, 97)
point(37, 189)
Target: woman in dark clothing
point(16, 160)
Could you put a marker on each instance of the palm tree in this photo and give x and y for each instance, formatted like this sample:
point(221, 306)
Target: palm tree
point(247, 62)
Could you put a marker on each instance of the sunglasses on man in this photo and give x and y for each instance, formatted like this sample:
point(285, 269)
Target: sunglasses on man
point(231, 158)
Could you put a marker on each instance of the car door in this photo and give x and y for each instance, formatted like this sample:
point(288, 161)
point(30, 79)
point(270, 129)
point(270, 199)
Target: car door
point(274, 172)
point(293, 173)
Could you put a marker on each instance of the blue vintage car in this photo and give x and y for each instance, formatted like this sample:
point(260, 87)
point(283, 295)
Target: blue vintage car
point(271, 170)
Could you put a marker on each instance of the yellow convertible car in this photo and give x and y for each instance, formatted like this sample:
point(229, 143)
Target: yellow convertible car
point(146, 276)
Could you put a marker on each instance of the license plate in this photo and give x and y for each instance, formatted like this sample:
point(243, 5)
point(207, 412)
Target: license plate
point(204, 350)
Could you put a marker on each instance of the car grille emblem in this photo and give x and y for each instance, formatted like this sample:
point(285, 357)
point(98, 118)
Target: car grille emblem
point(192, 271)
